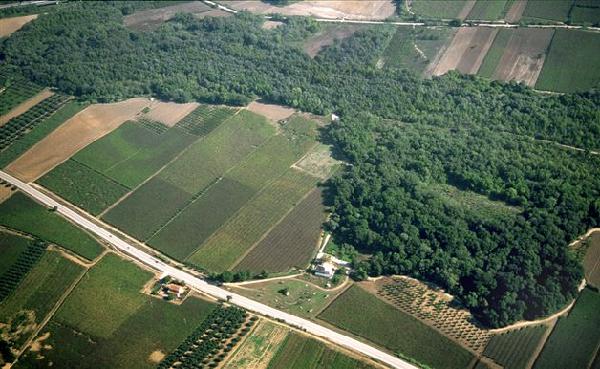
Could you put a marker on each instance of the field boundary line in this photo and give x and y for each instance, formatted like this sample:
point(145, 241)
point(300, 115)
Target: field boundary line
point(240, 284)
point(540, 346)
point(162, 168)
point(264, 235)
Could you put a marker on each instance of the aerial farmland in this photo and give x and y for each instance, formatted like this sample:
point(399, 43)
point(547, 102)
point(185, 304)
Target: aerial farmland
point(300, 184)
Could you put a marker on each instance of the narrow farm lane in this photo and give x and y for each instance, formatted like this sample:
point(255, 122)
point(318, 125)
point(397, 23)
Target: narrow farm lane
point(201, 285)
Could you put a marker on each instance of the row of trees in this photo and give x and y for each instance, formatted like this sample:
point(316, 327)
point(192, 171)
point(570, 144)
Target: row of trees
point(464, 131)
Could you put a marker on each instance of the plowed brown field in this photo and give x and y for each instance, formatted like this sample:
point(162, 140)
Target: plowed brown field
point(466, 51)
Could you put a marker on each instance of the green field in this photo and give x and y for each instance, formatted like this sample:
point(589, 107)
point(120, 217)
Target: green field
point(572, 62)
point(492, 58)
point(383, 327)
point(489, 10)
point(438, 9)
point(402, 51)
point(234, 238)
point(106, 296)
point(157, 326)
point(585, 12)
point(153, 204)
point(549, 10)
point(574, 340)
point(40, 290)
point(21, 213)
point(83, 186)
point(302, 352)
point(11, 247)
point(40, 131)
point(514, 349)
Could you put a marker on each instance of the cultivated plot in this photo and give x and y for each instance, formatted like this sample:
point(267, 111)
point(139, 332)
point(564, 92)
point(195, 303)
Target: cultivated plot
point(547, 10)
point(10, 25)
point(25, 105)
point(515, 12)
point(515, 349)
point(327, 36)
point(489, 10)
point(152, 18)
point(591, 260)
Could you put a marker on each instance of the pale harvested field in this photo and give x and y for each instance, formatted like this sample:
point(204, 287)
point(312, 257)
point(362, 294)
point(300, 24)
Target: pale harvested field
point(169, 113)
point(85, 127)
point(515, 12)
point(270, 111)
point(271, 24)
point(524, 55)
point(10, 25)
point(464, 13)
point(466, 51)
point(25, 105)
point(316, 43)
point(153, 17)
point(349, 9)
point(213, 13)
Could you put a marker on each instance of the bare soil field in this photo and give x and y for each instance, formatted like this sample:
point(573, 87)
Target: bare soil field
point(169, 113)
point(349, 9)
point(466, 51)
point(11, 25)
point(271, 24)
point(270, 111)
point(464, 13)
point(316, 43)
point(524, 55)
point(515, 12)
point(25, 105)
point(147, 19)
point(84, 128)
point(5, 192)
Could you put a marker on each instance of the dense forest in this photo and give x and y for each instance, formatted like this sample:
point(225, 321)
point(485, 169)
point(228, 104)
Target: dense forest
point(472, 134)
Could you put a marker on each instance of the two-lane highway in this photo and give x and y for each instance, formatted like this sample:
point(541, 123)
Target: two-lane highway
point(201, 285)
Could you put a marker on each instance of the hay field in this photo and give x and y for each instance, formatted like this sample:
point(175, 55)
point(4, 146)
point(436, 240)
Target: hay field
point(84, 128)
point(10, 25)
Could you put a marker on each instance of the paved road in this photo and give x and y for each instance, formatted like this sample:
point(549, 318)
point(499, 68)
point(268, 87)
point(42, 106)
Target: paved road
point(204, 287)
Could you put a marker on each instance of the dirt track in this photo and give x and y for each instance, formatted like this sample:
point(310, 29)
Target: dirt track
point(524, 55)
point(466, 51)
point(349, 9)
point(25, 105)
point(84, 128)
point(10, 25)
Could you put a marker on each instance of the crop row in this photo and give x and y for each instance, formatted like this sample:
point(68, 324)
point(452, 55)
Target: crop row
point(15, 274)
point(153, 125)
point(514, 349)
point(20, 125)
point(214, 335)
point(204, 119)
point(14, 91)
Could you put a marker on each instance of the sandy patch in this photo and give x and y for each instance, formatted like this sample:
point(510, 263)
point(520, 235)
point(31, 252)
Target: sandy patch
point(316, 43)
point(349, 9)
point(156, 356)
point(272, 112)
point(25, 105)
point(524, 55)
point(85, 127)
point(271, 24)
point(466, 9)
point(169, 113)
point(466, 51)
point(36, 344)
point(10, 25)
point(147, 19)
point(515, 12)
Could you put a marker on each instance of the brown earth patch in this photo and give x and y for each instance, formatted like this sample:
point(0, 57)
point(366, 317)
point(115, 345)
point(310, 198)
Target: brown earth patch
point(36, 344)
point(11, 25)
point(464, 13)
point(213, 13)
point(85, 127)
point(271, 24)
point(25, 105)
point(152, 18)
point(156, 356)
point(316, 43)
point(524, 55)
point(466, 51)
point(348, 9)
point(5, 192)
point(515, 12)
point(169, 113)
point(270, 111)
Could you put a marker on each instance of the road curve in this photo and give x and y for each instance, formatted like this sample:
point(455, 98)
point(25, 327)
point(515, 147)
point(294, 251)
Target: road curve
point(204, 287)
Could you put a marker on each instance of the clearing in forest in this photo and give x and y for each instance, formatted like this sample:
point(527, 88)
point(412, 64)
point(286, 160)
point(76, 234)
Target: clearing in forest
point(152, 18)
point(11, 25)
point(327, 36)
point(25, 105)
point(466, 51)
point(348, 9)
point(84, 128)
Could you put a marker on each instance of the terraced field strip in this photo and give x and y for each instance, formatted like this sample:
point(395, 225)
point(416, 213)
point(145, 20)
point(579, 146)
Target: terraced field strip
point(575, 339)
point(21, 213)
point(571, 63)
point(251, 222)
point(14, 91)
point(292, 242)
point(514, 349)
point(417, 341)
point(25, 105)
point(144, 211)
point(515, 12)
